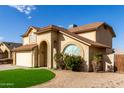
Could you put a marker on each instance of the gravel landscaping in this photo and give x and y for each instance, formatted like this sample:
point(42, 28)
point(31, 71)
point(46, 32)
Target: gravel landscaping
point(69, 79)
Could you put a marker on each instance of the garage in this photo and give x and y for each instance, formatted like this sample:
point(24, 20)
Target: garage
point(25, 55)
point(24, 59)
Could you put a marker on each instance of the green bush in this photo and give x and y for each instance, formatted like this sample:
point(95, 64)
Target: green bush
point(59, 60)
point(73, 62)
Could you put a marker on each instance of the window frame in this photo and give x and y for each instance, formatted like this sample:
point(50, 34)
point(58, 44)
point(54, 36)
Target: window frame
point(73, 53)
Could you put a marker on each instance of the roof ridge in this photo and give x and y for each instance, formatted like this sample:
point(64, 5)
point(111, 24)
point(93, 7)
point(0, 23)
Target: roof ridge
point(88, 24)
point(9, 42)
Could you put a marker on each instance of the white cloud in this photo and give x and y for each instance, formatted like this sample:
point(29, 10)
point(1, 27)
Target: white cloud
point(1, 38)
point(26, 9)
point(29, 17)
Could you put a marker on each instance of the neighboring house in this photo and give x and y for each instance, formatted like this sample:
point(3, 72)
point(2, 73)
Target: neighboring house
point(41, 44)
point(1, 52)
point(6, 49)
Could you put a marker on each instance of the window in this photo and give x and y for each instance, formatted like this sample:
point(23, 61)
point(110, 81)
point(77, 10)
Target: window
point(32, 38)
point(72, 50)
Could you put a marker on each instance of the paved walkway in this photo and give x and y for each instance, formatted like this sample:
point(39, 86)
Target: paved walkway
point(69, 79)
point(9, 66)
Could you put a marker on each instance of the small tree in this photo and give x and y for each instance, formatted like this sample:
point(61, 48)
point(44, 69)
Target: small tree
point(58, 57)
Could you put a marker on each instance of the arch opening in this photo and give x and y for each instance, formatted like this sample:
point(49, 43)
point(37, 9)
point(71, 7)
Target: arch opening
point(43, 54)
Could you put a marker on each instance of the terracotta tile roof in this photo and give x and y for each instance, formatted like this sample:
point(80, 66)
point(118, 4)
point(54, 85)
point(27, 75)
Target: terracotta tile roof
point(25, 47)
point(87, 27)
point(63, 30)
point(90, 27)
point(79, 29)
point(11, 45)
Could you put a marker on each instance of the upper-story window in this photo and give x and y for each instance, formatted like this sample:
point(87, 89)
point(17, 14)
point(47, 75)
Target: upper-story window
point(32, 38)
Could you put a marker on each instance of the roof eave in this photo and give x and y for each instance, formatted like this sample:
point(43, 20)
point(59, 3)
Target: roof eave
point(26, 33)
point(28, 49)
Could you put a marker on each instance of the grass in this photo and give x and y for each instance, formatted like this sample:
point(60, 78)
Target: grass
point(21, 78)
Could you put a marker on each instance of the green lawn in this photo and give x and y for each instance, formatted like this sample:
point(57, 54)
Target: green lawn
point(21, 78)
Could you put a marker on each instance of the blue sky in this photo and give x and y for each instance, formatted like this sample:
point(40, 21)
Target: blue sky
point(15, 20)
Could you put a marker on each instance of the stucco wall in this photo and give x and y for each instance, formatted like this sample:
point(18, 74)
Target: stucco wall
point(84, 49)
point(90, 35)
point(109, 62)
point(26, 40)
point(104, 36)
point(54, 46)
point(35, 57)
point(47, 38)
point(39, 39)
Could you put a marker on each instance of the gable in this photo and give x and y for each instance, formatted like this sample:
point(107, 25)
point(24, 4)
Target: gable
point(30, 31)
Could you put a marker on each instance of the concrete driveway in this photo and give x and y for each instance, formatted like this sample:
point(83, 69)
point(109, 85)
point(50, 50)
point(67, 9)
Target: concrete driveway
point(9, 66)
point(69, 79)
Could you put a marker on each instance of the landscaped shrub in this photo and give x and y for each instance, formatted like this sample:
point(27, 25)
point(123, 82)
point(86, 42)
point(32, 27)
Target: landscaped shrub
point(73, 62)
point(59, 60)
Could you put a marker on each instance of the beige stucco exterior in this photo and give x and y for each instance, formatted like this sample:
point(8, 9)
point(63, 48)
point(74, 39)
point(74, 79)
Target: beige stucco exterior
point(51, 42)
point(4, 48)
point(90, 35)
point(64, 41)
point(26, 40)
point(103, 36)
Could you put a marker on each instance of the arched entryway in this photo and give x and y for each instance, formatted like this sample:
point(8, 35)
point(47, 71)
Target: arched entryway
point(43, 54)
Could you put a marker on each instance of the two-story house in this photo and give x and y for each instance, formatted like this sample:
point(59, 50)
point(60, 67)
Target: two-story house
point(41, 44)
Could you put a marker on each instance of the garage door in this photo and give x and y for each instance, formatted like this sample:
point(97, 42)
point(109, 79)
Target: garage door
point(24, 59)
